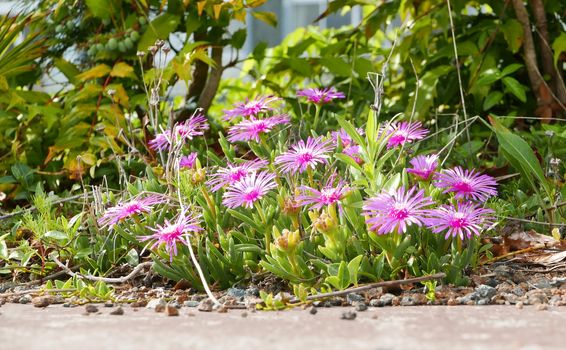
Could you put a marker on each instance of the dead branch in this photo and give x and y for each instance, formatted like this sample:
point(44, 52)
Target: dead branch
point(209, 91)
point(122, 279)
point(394, 283)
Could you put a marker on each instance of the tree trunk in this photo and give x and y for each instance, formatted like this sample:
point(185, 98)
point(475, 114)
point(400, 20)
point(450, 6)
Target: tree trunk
point(538, 85)
point(213, 81)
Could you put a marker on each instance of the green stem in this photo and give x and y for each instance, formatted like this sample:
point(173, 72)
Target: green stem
point(316, 115)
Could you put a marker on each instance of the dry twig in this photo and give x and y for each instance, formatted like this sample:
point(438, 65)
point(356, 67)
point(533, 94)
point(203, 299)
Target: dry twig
point(394, 283)
point(122, 279)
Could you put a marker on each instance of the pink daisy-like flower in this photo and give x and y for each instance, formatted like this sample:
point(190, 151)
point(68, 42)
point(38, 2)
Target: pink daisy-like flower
point(161, 141)
point(326, 196)
point(463, 219)
point(194, 126)
point(405, 132)
point(188, 161)
point(304, 155)
point(124, 210)
point(353, 152)
point(395, 212)
point(234, 173)
point(250, 108)
point(248, 130)
point(320, 96)
point(424, 166)
point(467, 184)
point(171, 233)
point(249, 190)
point(343, 136)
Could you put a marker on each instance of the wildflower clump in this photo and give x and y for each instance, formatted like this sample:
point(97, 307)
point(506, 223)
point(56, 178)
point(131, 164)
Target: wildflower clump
point(308, 200)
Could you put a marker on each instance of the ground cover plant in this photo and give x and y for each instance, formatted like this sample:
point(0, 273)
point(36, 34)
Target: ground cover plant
point(317, 170)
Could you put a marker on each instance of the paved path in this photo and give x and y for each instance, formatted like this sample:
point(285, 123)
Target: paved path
point(421, 327)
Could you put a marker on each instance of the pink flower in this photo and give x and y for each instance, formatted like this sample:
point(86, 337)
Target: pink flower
point(171, 233)
point(188, 161)
point(405, 132)
point(249, 190)
point(353, 152)
point(320, 96)
point(248, 130)
point(464, 218)
point(234, 173)
point(326, 196)
point(346, 139)
point(161, 141)
point(424, 166)
point(395, 212)
point(194, 126)
point(114, 215)
point(250, 108)
point(304, 155)
point(466, 184)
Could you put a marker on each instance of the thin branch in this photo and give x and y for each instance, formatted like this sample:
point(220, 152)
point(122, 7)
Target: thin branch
point(394, 283)
point(123, 279)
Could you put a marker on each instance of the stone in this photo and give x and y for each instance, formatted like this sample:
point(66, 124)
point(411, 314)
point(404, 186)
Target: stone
point(386, 299)
point(360, 306)
point(108, 304)
point(236, 292)
point(407, 300)
point(119, 311)
point(348, 315)
point(25, 299)
point(252, 292)
point(313, 310)
point(191, 303)
point(222, 309)
point(485, 292)
point(42, 301)
point(351, 298)
point(160, 307)
point(519, 305)
point(153, 303)
point(171, 310)
point(206, 305)
point(542, 307)
point(90, 309)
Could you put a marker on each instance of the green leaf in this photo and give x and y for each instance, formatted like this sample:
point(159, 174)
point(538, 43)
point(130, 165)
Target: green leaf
point(103, 8)
point(353, 267)
point(95, 72)
point(515, 88)
point(492, 99)
point(559, 46)
point(520, 155)
point(488, 77)
point(69, 70)
point(513, 34)
point(122, 70)
point(343, 275)
point(300, 65)
point(57, 235)
point(337, 66)
point(266, 17)
point(239, 38)
point(159, 28)
point(512, 68)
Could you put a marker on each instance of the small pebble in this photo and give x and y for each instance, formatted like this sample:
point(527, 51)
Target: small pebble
point(348, 315)
point(205, 305)
point(42, 301)
point(159, 308)
point(171, 310)
point(191, 303)
point(374, 317)
point(91, 308)
point(452, 302)
point(119, 311)
point(108, 304)
point(542, 307)
point(190, 314)
point(244, 314)
point(313, 310)
point(222, 310)
point(25, 299)
point(361, 306)
point(519, 305)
